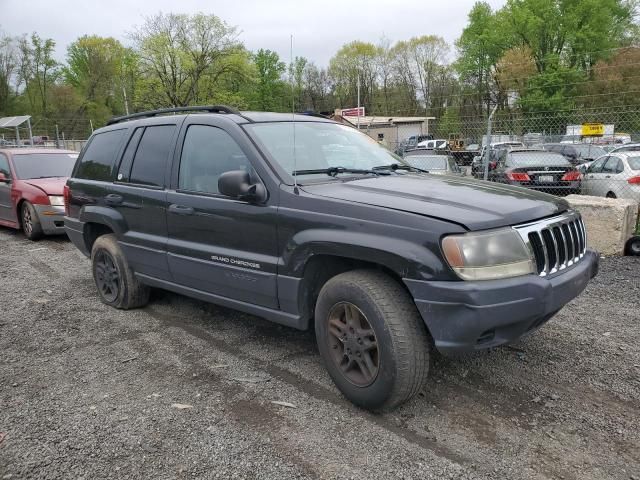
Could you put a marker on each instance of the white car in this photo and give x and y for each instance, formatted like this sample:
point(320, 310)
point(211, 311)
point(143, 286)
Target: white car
point(615, 175)
point(432, 144)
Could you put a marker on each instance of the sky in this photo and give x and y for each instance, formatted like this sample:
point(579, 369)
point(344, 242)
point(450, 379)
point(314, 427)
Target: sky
point(319, 27)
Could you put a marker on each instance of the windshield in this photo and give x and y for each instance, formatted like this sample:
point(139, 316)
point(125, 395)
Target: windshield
point(427, 162)
point(43, 165)
point(320, 146)
point(533, 159)
point(589, 151)
point(634, 163)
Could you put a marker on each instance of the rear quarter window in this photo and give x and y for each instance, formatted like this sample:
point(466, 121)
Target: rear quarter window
point(97, 161)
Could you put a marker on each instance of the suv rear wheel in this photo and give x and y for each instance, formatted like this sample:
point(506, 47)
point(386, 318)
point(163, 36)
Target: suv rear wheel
point(372, 340)
point(117, 286)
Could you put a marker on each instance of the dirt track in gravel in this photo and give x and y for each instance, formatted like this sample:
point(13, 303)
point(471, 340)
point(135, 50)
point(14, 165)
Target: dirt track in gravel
point(87, 391)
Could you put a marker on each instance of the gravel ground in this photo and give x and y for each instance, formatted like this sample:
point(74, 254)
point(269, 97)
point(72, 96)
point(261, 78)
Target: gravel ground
point(183, 389)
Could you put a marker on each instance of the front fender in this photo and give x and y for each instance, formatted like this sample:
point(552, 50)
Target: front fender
point(405, 258)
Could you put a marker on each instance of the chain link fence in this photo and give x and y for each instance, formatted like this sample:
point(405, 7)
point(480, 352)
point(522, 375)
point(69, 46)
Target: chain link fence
point(68, 133)
point(589, 152)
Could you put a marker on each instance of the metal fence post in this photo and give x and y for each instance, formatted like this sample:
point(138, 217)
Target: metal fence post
point(488, 146)
point(57, 137)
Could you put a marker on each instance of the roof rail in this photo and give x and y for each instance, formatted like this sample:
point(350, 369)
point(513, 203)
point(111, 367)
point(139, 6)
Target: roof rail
point(162, 111)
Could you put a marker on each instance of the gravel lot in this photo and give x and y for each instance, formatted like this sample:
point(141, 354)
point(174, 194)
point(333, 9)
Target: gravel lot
point(90, 392)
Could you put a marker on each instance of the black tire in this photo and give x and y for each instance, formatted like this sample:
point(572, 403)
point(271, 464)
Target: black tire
point(611, 195)
point(117, 286)
point(403, 344)
point(633, 246)
point(30, 222)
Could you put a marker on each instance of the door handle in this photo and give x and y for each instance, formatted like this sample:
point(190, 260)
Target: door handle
point(113, 199)
point(607, 176)
point(180, 209)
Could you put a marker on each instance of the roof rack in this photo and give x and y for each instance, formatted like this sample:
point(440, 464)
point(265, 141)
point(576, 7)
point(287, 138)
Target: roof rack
point(162, 111)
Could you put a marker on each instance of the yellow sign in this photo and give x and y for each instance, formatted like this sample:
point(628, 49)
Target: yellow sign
point(592, 130)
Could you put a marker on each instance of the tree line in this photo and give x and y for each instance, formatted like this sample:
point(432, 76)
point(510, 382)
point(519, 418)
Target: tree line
point(530, 56)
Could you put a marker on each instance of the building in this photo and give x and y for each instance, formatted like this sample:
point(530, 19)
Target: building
point(385, 129)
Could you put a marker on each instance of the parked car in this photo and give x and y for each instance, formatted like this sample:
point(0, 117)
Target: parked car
point(410, 143)
point(31, 187)
point(616, 175)
point(433, 162)
point(576, 153)
point(242, 209)
point(538, 170)
point(433, 144)
point(629, 147)
point(477, 165)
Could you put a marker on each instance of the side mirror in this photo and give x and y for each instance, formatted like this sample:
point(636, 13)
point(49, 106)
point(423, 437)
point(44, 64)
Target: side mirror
point(237, 184)
point(4, 178)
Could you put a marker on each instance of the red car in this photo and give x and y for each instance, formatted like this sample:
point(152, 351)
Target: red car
point(31, 189)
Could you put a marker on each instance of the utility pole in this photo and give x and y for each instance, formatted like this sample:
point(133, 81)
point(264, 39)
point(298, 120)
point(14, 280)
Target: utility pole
point(358, 121)
point(488, 146)
point(57, 137)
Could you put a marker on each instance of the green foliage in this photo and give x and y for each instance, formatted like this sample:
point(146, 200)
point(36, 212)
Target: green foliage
point(270, 86)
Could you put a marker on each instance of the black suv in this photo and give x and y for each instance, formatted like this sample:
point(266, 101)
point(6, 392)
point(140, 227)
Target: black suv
point(307, 222)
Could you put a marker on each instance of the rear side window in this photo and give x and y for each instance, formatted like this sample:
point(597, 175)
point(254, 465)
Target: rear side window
point(97, 161)
point(152, 155)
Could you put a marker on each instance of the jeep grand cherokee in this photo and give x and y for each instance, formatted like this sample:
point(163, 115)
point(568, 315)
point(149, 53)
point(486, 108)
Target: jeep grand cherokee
point(307, 222)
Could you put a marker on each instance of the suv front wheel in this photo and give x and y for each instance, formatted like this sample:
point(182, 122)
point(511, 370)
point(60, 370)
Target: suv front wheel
point(372, 339)
point(117, 286)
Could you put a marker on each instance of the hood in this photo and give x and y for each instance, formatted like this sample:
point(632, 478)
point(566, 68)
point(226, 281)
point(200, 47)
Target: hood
point(475, 204)
point(50, 186)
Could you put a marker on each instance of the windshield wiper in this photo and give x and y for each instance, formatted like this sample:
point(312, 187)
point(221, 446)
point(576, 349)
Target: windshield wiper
point(398, 166)
point(48, 176)
point(333, 171)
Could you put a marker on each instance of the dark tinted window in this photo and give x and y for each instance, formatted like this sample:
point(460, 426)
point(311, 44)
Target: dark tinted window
point(149, 164)
point(97, 161)
point(613, 165)
point(596, 167)
point(207, 153)
point(539, 158)
point(127, 156)
point(4, 166)
point(44, 165)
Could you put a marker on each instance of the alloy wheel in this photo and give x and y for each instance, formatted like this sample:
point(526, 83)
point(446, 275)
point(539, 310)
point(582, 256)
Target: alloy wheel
point(107, 277)
point(27, 221)
point(352, 344)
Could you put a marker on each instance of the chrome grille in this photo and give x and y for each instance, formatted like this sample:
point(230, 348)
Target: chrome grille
point(555, 243)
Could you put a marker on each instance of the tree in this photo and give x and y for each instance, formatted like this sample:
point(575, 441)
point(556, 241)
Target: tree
point(8, 66)
point(296, 80)
point(354, 63)
point(38, 71)
point(428, 54)
point(317, 88)
point(96, 69)
point(579, 32)
point(479, 48)
point(179, 52)
point(270, 85)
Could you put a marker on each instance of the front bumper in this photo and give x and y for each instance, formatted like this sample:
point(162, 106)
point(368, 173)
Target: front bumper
point(51, 218)
point(466, 316)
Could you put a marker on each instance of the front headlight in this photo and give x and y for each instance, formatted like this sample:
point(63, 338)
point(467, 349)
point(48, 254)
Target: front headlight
point(56, 200)
point(488, 255)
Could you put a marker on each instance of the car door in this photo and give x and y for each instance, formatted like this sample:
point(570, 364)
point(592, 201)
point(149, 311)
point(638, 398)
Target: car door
point(7, 212)
point(591, 184)
point(613, 177)
point(220, 245)
point(139, 195)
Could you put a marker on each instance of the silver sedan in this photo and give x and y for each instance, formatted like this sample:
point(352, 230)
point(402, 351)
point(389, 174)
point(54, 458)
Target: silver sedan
point(616, 175)
point(434, 163)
